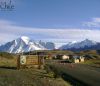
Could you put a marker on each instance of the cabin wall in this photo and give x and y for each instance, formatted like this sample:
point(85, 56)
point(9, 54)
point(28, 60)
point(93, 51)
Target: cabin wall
point(65, 57)
point(82, 60)
point(76, 61)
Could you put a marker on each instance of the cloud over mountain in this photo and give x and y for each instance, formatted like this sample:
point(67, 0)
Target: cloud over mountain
point(10, 30)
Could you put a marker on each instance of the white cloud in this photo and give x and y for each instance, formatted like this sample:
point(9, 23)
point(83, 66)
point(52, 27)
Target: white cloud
point(95, 22)
point(10, 31)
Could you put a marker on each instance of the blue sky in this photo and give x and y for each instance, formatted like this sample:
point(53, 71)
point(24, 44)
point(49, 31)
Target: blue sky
point(52, 13)
point(58, 15)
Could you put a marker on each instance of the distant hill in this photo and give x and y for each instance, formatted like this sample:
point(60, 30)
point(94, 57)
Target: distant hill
point(90, 54)
point(6, 55)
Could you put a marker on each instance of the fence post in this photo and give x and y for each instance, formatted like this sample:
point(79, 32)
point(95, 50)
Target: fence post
point(39, 63)
point(18, 62)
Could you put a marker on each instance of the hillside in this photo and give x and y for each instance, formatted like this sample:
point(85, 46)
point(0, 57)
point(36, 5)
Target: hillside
point(6, 55)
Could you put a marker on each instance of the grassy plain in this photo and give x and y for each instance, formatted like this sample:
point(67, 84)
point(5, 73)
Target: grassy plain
point(10, 76)
point(29, 77)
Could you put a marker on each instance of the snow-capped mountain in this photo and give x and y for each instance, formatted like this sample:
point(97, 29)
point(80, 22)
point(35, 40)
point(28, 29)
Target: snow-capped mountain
point(25, 44)
point(22, 44)
point(82, 45)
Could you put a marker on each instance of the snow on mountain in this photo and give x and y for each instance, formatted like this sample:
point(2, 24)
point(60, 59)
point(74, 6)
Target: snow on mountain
point(22, 44)
point(25, 39)
point(25, 44)
point(76, 45)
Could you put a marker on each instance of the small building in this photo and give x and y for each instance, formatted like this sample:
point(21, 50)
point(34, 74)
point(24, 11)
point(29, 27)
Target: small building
point(81, 59)
point(61, 57)
point(65, 57)
point(77, 59)
point(58, 56)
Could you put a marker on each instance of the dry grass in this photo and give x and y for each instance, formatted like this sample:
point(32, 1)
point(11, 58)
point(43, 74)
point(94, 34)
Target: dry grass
point(28, 77)
point(10, 76)
point(93, 62)
point(4, 62)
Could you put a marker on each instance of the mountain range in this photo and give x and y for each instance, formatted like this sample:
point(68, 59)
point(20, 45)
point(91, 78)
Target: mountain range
point(25, 44)
point(82, 45)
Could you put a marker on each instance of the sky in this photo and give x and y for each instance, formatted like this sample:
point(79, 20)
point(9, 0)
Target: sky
point(59, 21)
